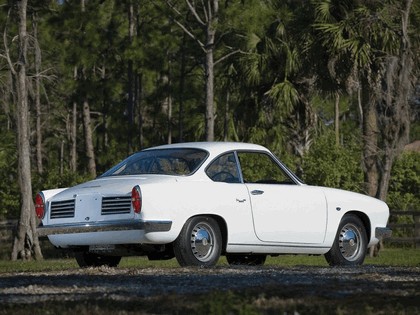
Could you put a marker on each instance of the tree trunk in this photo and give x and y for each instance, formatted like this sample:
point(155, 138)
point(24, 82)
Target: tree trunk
point(370, 140)
point(181, 91)
point(139, 97)
point(208, 23)
point(131, 84)
point(26, 243)
point(169, 114)
point(227, 117)
point(209, 69)
point(73, 138)
point(337, 119)
point(90, 153)
point(39, 163)
point(395, 109)
point(209, 95)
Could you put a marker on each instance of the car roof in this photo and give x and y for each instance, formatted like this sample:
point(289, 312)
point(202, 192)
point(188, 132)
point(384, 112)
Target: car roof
point(214, 148)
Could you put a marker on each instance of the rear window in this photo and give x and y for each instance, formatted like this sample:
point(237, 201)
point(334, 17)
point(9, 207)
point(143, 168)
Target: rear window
point(160, 161)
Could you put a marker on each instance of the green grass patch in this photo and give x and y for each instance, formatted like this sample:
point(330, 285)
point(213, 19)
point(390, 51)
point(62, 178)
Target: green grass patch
point(408, 257)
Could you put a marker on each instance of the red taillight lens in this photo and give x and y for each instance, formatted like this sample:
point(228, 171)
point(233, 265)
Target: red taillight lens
point(39, 206)
point(136, 199)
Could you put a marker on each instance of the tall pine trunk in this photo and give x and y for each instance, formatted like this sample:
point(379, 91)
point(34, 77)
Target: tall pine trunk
point(90, 152)
point(209, 67)
point(72, 136)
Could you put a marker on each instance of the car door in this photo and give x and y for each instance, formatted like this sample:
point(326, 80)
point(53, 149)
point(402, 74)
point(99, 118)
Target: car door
point(283, 210)
point(229, 198)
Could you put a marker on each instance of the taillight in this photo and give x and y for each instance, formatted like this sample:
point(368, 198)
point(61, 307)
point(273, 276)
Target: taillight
point(136, 199)
point(40, 206)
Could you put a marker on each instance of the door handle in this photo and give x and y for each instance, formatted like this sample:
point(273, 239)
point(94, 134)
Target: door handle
point(257, 192)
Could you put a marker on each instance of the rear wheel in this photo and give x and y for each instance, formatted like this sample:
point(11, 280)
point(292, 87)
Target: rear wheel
point(86, 259)
point(350, 244)
point(247, 260)
point(199, 243)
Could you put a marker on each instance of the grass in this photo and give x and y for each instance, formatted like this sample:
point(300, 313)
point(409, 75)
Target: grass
point(408, 257)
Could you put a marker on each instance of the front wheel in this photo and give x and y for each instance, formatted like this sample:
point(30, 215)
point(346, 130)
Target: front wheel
point(350, 244)
point(199, 243)
point(86, 259)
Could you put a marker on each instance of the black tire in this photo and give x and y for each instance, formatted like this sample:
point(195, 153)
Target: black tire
point(86, 259)
point(199, 243)
point(246, 260)
point(350, 244)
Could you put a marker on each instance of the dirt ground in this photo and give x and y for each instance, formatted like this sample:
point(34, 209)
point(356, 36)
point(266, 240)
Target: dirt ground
point(219, 290)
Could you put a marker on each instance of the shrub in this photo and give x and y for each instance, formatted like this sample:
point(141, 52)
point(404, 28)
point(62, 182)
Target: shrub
point(331, 165)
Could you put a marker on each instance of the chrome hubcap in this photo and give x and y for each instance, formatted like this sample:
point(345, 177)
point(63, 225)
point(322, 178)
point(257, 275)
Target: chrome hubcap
point(350, 242)
point(202, 238)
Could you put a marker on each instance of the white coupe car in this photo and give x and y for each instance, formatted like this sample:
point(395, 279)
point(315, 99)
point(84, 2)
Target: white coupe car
point(198, 201)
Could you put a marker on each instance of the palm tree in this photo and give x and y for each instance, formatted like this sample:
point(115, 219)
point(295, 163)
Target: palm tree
point(274, 66)
point(365, 38)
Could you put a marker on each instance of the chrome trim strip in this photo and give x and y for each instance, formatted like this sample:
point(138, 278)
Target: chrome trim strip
point(103, 226)
point(277, 245)
point(383, 232)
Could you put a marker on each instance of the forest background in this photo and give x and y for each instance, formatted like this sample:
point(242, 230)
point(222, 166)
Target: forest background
point(330, 86)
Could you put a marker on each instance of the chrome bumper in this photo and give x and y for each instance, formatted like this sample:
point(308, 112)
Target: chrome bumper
point(103, 226)
point(381, 233)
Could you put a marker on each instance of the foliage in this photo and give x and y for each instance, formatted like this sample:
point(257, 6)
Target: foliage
point(327, 164)
point(146, 86)
point(404, 188)
point(9, 190)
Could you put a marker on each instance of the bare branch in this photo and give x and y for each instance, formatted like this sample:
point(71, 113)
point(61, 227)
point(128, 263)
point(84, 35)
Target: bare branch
point(190, 34)
point(207, 15)
point(171, 6)
point(182, 26)
point(227, 56)
point(194, 12)
point(6, 47)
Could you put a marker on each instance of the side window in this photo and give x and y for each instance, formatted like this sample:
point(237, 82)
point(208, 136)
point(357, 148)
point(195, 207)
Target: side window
point(224, 169)
point(259, 167)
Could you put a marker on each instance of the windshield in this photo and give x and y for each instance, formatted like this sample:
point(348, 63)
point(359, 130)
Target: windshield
point(160, 161)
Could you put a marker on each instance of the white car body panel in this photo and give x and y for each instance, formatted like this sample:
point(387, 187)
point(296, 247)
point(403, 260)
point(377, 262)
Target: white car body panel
point(297, 218)
point(301, 213)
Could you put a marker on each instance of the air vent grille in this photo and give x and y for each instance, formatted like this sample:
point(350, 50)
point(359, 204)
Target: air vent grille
point(116, 205)
point(62, 209)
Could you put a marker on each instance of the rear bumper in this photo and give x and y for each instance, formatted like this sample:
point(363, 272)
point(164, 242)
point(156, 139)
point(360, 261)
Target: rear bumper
point(383, 232)
point(103, 226)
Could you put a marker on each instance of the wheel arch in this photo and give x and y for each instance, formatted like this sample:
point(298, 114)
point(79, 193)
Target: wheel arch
point(365, 220)
point(222, 225)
